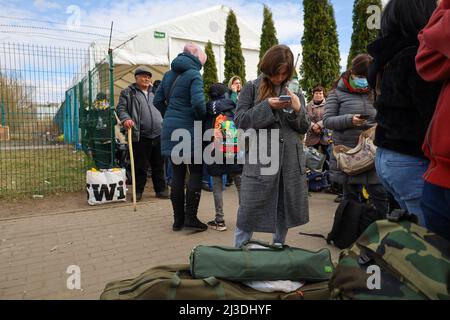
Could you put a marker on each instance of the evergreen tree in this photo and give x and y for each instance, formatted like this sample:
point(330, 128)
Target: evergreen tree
point(210, 69)
point(234, 59)
point(362, 35)
point(268, 34)
point(321, 58)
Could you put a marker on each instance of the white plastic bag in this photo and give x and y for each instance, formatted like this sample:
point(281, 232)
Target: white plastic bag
point(106, 186)
point(275, 286)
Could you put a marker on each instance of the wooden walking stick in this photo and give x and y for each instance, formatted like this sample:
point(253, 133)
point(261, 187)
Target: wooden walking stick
point(133, 177)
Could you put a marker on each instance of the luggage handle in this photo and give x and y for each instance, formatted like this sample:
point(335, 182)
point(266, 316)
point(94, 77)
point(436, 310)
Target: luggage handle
point(211, 281)
point(245, 245)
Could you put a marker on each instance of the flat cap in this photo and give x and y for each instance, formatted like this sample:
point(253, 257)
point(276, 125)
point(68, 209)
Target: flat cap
point(143, 70)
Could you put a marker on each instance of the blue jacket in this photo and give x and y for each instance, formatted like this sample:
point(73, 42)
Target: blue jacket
point(187, 102)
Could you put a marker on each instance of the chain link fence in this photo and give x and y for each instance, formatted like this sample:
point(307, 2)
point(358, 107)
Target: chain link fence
point(56, 118)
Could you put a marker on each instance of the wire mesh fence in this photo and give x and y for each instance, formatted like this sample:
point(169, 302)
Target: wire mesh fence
point(55, 118)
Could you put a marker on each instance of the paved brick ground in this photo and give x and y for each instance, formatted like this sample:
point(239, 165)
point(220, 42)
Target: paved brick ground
point(113, 243)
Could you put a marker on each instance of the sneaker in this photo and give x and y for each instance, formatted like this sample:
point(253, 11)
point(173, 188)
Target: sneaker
point(219, 226)
point(338, 199)
point(206, 187)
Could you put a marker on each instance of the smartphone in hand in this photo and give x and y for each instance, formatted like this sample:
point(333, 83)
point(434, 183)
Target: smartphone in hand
point(285, 98)
point(364, 116)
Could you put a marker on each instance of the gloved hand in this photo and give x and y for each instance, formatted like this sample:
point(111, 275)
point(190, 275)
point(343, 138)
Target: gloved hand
point(128, 124)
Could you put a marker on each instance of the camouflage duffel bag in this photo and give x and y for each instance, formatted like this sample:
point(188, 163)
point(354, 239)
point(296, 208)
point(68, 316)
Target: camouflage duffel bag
point(174, 282)
point(394, 260)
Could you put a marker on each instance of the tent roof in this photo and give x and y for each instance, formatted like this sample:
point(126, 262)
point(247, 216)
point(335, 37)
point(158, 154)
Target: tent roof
point(246, 32)
point(200, 26)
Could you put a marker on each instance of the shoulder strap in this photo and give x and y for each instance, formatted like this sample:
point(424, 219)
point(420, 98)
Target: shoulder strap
point(131, 93)
point(171, 89)
point(314, 235)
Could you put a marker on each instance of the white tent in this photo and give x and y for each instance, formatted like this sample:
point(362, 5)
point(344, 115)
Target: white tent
point(156, 46)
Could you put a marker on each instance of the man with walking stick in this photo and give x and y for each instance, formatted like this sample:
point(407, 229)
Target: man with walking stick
point(137, 113)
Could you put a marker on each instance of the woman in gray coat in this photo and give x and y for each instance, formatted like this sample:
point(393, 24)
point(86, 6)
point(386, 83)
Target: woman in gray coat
point(274, 195)
point(348, 112)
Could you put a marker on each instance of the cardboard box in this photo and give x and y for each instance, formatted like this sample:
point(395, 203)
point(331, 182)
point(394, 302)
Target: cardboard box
point(4, 134)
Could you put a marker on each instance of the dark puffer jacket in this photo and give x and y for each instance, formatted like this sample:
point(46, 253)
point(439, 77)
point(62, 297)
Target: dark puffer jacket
point(340, 108)
point(186, 104)
point(407, 102)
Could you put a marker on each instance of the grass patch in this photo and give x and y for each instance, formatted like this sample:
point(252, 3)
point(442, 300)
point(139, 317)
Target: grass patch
point(42, 171)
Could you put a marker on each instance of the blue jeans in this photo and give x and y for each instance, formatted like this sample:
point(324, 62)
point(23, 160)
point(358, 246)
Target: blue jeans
point(436, 209)
point(402, 176)
point(243, 236)
point(169, 170)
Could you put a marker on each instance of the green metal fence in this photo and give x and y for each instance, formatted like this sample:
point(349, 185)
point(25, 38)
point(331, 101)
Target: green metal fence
point(57, 118)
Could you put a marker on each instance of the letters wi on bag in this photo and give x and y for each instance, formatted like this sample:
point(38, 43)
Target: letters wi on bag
point(107, 191)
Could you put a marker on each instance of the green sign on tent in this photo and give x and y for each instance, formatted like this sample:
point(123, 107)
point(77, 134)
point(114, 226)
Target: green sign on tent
point(159, 35)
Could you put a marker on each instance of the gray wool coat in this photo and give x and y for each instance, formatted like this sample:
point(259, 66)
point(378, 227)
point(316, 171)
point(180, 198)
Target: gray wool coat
point(340, 108)
point(260, 193)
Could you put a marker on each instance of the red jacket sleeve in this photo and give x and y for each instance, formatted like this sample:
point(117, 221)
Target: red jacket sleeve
point(433, 58)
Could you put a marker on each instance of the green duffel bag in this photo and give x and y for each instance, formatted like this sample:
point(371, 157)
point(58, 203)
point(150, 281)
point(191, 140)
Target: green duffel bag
point(394, 260)
point(174, 282)
point(268, 264)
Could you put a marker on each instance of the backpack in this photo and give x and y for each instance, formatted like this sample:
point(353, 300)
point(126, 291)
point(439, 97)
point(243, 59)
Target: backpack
point(317, 181)
point(174, 282)
point(394, 259)
point(314, 159)
point(350, 220)
point(225, 130)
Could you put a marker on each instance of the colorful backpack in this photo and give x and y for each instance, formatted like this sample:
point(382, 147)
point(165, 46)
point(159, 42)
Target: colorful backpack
point(225, 130)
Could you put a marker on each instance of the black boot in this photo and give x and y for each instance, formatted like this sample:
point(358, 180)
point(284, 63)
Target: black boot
point(191, 221)
point(178, 211)
point(178, 221)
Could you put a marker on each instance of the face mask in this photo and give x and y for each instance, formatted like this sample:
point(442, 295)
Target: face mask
point(361, 83)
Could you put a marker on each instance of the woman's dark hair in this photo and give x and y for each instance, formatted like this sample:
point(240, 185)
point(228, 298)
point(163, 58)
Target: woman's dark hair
point(406, 17)
point(360, 67)
point(319, 89)
point(274, 60)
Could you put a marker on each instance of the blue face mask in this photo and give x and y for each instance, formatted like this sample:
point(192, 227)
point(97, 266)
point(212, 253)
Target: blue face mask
point(361, 83)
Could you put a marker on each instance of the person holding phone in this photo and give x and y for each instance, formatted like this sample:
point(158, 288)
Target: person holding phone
point(272, 200)
point(348, 112)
